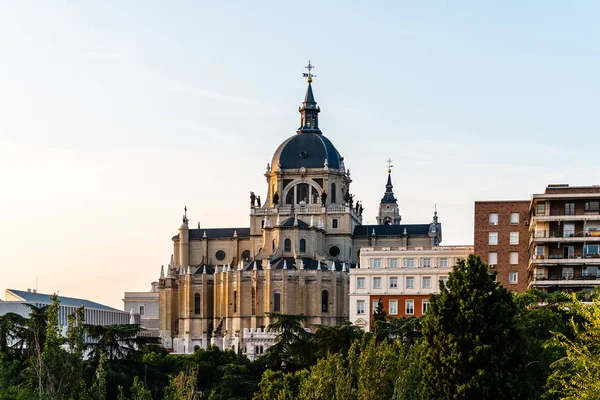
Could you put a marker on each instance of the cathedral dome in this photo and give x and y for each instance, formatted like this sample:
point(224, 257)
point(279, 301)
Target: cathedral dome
point(308, 150)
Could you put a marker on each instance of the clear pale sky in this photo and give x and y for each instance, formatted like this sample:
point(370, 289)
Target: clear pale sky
point(115, 115)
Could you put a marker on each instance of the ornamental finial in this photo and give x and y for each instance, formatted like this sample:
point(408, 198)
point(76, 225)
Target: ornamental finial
point(309, 75)
point(390, 165)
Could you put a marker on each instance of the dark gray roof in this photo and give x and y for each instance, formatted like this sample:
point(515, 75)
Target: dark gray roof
point(308, 264)
point(290, 223)
point(209, 269)
point(308, 150)
point(218, 233)
point(64, 301)
point(393, 230)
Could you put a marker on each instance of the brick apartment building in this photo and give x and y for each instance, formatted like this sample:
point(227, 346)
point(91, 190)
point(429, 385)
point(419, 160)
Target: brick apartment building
point(502, 240)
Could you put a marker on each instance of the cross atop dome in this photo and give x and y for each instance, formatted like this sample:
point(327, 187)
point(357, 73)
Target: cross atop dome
point(309, 75)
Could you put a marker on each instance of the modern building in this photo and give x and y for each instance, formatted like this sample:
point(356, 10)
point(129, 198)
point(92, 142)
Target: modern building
point(294, 257)
point(17, 301)
point(501, 238)
point(401, 277)
point(144, 304)
point(565, 238)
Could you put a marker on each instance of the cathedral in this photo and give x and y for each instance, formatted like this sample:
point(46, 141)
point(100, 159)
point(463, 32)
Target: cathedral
point(293, 259)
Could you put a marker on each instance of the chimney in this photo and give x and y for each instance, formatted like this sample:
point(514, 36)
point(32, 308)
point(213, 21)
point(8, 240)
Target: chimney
point(28, 290)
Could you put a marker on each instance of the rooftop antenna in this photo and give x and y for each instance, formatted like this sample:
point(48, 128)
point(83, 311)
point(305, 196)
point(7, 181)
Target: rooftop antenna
point(309, 75)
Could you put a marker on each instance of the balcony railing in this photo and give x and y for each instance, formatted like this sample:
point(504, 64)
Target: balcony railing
point(556, 234)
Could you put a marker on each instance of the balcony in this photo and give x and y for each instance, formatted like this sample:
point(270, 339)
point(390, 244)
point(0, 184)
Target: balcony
point(591, 214)
point(564, 281)
point(560, 236)
point(560, 259)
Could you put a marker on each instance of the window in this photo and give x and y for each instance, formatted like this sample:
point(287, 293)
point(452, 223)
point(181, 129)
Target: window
point(393, 263)
point(567, 272)
point(409, 263)
point(302, 245)
point(393, 282)
point(376, 263)
point(410, 307)
point(425, 306)
point(592, 206)
point(541, 209)
point(334, 251)
point(142, 310)
point(197, 304)
point(514, 238)
point(513, 277)
point(569, 208)
point(493, 258)
point(220, 255)
point(277, 301)
point(443, 262)
point(514, 218)
point(539, 251)
point(324, 301)
point(569, 252)
point(360, 307)
point(393, 307)
point(426, 262)
point(493, 238)
point(334, 223)
point(590, 250)
point(590, 271)
point(333, 193)
point(253, 301)
point(360, 283)
point(569, 230)
point(513, 258)
point(426, 282)
point(493, 218)
point(287, 245)
point(234, 301)
point(444, 279)
point(377, 283)
point(410, 282)
point(274, 245)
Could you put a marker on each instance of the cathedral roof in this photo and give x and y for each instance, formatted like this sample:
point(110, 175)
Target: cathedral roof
point(217, 233)
point(393, 230)
point(308, 264)
point(308, 150)
point(288, 223)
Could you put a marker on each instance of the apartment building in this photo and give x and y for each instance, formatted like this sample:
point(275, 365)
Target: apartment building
point(402, 277)
point(501, 238)
point(565, 238)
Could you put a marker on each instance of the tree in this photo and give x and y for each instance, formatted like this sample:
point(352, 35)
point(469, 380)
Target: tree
point(334, 339)
point(116, 341)
point(473, 347)
point(98, 389)
point(183, 386)
point(11, 333)
point(291, 350)
point(379, 317)
point(277, 385)
point(577, 375)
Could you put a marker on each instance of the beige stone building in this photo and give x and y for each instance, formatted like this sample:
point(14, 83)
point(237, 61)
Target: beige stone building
point(293, 259)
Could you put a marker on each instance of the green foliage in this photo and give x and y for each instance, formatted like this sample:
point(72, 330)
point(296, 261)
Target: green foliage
point(379, 317)
point(291, 350)
point(474, 349)
point(116, 341)
point(577, 374)
point(182, 386)
point(277, 385)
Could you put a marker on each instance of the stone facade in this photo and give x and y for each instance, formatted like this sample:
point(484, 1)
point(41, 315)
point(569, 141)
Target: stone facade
point(293, 259)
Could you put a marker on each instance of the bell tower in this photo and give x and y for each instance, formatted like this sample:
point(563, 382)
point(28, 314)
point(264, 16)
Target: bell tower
point(389, 214)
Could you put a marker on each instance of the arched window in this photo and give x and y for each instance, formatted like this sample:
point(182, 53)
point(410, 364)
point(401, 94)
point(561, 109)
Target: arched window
point(302, 193)
point(302, 245)
point(235, 301)
point(287, 245)
point(197, 304)
point(277, 301)
point(253, 301)
point(324, 301)
point(274, 247)
point(333, 193)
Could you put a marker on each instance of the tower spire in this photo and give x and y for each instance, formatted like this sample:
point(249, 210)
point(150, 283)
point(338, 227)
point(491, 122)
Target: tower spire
point(309, 121)
point(388, 207)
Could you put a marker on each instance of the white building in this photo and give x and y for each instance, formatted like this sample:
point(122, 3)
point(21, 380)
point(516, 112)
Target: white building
point(402, 277)
point(95, 314)
point(144, 304)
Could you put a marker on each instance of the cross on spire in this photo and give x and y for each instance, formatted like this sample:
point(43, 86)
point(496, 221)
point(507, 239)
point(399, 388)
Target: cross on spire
point(390, 165)
point(309, 75)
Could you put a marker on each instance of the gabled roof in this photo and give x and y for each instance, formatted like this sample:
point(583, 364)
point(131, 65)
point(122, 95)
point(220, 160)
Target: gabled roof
point(393, 230)
point(289, 223)
point(308, 263)
point(31, 297)
point(218, 233)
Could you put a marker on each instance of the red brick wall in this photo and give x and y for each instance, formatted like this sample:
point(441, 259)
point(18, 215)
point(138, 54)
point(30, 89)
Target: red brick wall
point(573, 189)
point(503, 248)
point(418, 299)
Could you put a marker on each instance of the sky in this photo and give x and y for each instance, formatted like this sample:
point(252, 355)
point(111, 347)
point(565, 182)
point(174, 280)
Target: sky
point(114, 115)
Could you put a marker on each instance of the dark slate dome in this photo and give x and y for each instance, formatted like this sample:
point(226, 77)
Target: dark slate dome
point(308, 150)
